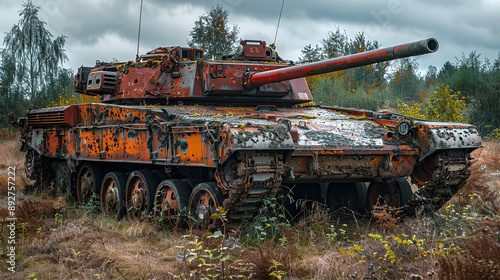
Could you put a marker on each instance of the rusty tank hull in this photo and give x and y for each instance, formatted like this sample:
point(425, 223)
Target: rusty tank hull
point(230, 134)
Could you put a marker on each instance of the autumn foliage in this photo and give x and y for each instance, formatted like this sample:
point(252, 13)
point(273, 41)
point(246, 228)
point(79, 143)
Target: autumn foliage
point(444, 105)
point(65, 99)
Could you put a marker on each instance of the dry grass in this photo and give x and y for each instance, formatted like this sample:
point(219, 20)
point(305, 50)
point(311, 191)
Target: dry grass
point(11, 158)
point(330, 265)
point(77, 247)
point(483, 186)
point(267, 252)
point(360, 256)
point(480, 260)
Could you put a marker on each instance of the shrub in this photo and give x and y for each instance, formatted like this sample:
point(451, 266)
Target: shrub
point(412, 110)
point(445, 105)
point(71, 99)
point(494, 135)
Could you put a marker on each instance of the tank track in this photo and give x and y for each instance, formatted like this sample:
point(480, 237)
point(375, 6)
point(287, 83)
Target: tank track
point(258, 177)
point(448, 177)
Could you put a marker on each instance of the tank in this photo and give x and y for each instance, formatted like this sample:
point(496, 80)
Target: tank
point(177, 135)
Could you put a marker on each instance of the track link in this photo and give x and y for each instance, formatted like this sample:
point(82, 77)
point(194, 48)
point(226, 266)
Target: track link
point(449, 175)
point(258, 177)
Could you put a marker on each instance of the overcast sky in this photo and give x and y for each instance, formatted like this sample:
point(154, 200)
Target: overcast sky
point(107, 29)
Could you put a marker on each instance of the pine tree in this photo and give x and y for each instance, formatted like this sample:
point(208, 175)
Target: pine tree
point(311, 54)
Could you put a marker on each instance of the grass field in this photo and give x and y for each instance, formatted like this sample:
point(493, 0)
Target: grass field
point(56, 240)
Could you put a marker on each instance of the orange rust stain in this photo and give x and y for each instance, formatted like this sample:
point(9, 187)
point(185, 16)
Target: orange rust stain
point(51, 143)
point(376, 160)
point(69, 143)
point(113, 143)
point(192, 148)
point(89, 144)
point(303, 161)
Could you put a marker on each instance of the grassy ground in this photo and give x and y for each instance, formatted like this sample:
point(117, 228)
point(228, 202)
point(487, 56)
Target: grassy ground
point(60, 241)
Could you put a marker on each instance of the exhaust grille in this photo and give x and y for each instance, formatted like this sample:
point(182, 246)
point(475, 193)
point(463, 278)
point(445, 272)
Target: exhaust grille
point(67, 115)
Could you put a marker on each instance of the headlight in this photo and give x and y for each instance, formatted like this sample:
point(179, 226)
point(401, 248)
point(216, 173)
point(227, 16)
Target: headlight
point(403, 127)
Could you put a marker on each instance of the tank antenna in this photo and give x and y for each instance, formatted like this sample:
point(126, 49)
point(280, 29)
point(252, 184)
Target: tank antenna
point(278, 26)
point(139, 33)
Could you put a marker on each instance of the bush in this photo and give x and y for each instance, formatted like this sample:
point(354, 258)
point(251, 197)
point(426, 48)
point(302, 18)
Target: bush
point(74, 98)
point(445, 105)
point(412, 110)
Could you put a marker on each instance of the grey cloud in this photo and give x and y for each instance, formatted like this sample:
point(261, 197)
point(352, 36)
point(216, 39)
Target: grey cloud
point(460, 26)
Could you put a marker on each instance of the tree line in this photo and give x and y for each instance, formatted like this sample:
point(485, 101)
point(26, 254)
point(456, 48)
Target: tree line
point(467, 90)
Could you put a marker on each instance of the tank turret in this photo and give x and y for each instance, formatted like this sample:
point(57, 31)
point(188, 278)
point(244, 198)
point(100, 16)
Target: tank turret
point(255, 76)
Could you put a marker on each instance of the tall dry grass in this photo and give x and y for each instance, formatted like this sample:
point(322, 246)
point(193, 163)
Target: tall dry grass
point(72, 245)
point(481, 260)
point(11, 157)
point(483, 186)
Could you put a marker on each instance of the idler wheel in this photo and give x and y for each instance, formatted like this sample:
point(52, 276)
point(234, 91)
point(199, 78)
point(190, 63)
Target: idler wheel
point(171, 201)
point(139, 195)
point(228, 173)
point(394, 194)
point(31, 163)
point(203, 203)
point(423, 172)
point(88, 181)
point(113, 195)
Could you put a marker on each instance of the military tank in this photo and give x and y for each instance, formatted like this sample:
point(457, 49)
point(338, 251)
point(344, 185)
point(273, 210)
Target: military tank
point(178, 135)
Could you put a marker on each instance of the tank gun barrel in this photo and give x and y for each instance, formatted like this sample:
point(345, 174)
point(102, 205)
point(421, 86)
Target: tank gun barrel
point(256, 79)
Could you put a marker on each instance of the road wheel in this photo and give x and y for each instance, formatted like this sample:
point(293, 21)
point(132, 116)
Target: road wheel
point(171, 201)
point(113, 194)
point(394, 194)
point(347, 195)
point(191, 183)
point(139, 196)
point(88, 182)
point(203, 202)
